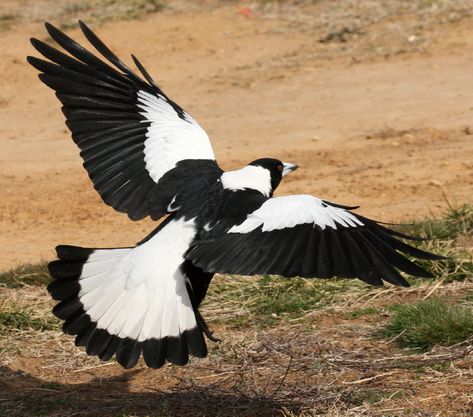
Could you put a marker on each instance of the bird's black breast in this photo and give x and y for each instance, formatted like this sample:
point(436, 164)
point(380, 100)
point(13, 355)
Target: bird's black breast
point(224, 208)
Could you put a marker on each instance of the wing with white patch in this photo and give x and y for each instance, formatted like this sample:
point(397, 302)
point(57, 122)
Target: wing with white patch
point(301, 235)
point(132, 136)
point(129, 301)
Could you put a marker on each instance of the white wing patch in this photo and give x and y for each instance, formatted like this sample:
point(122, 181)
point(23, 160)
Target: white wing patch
point(169, 138)
point(287, 212)
point(140, 292)
point(252, 177)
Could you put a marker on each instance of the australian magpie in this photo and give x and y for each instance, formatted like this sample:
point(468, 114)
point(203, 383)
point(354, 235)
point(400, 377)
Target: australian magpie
point(146, 156)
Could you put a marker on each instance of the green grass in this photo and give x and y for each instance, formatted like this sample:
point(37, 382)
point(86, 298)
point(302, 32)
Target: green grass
point(374, 395)
point(23, 320)
point(457, 221)
point(361, 312)
point(30, 274)
point(425, 324)
point(266, 300)
point(445, 237)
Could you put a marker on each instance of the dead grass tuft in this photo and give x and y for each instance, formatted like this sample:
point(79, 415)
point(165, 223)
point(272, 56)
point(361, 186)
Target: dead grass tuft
point(22, 275)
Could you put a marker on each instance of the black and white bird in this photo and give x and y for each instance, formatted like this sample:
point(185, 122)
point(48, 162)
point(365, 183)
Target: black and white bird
point(146, 156)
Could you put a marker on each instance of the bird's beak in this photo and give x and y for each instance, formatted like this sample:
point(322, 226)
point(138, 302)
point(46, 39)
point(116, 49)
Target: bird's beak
point(287, 168)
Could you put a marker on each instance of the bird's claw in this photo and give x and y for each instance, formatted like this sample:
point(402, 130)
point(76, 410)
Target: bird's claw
point(203, 325)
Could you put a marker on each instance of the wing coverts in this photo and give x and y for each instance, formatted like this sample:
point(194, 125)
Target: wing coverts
point(304, 236)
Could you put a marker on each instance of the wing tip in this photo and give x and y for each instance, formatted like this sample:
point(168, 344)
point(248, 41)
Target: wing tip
point(50, 27)
point(84, 27)
point(31, 60)
point(37, 44)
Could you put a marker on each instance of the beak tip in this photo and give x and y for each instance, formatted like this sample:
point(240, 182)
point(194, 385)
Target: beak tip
point(289, 168)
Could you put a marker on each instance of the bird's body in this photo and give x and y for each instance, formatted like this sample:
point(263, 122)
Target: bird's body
point(147, 157)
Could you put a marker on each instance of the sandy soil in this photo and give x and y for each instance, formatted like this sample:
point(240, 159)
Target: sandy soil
point(388, 132)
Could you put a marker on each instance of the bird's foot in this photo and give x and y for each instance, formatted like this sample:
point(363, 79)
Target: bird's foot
point(203, 325)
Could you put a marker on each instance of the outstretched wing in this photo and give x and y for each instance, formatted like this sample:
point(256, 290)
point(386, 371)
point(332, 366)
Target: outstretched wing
point(301, 235)
point(138, 146)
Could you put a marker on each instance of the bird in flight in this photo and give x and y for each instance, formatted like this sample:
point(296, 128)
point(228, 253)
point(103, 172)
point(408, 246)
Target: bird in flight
point(146, 156)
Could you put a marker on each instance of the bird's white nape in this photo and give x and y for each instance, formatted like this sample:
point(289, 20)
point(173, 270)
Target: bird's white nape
point(249, 177)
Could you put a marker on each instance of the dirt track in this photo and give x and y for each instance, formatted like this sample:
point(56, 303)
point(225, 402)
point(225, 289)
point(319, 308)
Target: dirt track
point(392, 132)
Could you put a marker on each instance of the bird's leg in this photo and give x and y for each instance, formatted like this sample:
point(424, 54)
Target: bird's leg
point(205, 328)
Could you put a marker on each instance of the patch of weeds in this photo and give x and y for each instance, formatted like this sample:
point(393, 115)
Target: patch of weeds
point(67, 25)
point(23, 320)
point(469, 298)
point(373, 395)
point(444, 236)
point(77, 7)
point(105, 10)
point(458, 265)
point(266, 300)
point(97, 12)
point(440, 367)
point(6, 21)
point(317, 366)
point(361, 312)
point(455, 222)
point(289, 296)
point(30, 274)
point(423, 325)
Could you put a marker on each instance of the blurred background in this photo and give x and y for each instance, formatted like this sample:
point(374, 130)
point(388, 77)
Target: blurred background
point(372, 98)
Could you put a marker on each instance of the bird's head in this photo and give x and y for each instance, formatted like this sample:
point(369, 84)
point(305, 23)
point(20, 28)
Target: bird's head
point(277, 169)
point(263, 175)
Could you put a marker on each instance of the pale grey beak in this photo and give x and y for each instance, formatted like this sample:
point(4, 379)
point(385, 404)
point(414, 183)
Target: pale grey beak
point(287, 168)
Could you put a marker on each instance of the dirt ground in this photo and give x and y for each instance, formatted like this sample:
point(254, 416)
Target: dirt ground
point(373, 101)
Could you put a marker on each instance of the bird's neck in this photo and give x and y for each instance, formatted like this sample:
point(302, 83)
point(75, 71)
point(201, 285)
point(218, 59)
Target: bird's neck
point(249, 177)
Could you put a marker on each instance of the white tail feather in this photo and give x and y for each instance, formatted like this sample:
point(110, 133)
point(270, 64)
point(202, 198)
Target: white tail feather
point(141, 292)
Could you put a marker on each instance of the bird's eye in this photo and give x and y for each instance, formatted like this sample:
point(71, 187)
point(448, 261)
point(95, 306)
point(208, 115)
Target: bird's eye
point(280, 168)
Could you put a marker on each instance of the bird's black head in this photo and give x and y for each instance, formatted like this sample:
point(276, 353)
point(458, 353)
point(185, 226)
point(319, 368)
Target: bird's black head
point(276, 168)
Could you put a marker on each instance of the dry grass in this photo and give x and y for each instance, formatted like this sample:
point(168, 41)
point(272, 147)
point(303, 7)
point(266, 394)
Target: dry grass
point(362, 30)
point(353, 30)
point(67, 12)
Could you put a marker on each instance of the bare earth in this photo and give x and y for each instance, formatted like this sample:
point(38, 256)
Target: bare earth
point(383, 122)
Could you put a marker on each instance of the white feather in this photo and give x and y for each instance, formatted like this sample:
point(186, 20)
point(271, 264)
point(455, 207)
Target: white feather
point(287, 212)
point(142, 293)
point(169, 138)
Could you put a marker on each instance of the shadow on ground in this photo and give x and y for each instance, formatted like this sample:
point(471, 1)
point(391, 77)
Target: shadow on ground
point(25, 395)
